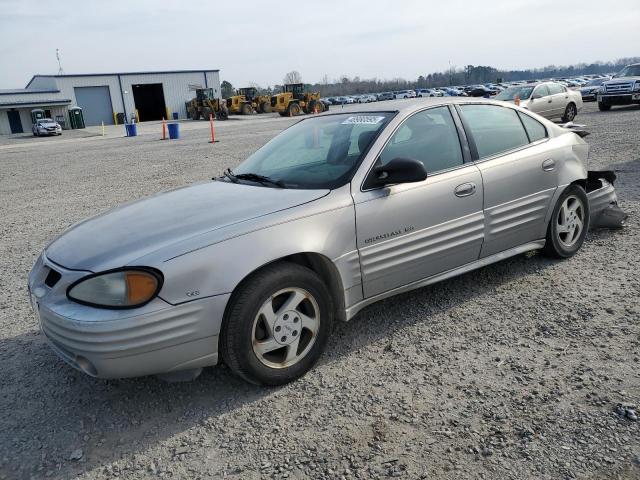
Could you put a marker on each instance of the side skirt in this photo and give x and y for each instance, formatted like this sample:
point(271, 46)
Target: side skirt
point(354, 309)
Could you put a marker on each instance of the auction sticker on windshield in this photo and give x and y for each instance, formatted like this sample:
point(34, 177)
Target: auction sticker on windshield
point(363, 120)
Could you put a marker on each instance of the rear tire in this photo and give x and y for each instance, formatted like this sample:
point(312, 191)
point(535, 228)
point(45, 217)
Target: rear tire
point(569, 223)
point(603, 107)
point(277, 324)
point(246, 109)
point(266, 107)
point(570, 113)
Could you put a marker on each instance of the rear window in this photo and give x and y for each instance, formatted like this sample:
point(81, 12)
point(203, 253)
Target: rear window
point(494, 129)
point(534, 128)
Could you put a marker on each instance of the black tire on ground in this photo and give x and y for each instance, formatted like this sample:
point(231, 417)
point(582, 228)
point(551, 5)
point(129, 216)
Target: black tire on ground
point(294, 110)
point(237, 332)
point(206, 113)
point(265, 107)
point(246, 109)
point(570, 112)
point(603, 107)
point(554, 246)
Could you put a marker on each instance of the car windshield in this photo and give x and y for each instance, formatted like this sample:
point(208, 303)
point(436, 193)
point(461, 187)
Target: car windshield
point(512, 92)
point(317, 153)
point(45, 120)
point(629, 71)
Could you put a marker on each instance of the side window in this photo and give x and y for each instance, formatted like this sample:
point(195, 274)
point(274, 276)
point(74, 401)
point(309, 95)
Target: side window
point(541, 91)
point(534, 128)
point(494, 129)
point(429, 136)
point(555, 88)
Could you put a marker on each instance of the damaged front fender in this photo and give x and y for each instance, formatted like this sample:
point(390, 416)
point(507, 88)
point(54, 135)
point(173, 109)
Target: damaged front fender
point(603, 201)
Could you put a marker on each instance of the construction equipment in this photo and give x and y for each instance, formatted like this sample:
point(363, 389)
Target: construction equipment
point(205, 103)
point(293, 101)
point(242, 102)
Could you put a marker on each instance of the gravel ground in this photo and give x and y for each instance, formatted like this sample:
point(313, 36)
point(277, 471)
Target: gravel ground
point(527, 369)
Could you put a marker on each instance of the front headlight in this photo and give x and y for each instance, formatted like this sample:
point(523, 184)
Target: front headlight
point(127, 288)
point(603, 88)
point(636, 87)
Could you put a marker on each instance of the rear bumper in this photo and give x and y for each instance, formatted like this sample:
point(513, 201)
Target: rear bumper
point(603, 201)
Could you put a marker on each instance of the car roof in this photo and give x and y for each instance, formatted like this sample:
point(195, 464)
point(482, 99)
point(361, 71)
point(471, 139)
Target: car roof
point(414, 104)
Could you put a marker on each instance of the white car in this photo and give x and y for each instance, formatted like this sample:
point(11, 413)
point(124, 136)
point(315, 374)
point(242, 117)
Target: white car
point(548, 99)
point(46, 126)
point(367, 98)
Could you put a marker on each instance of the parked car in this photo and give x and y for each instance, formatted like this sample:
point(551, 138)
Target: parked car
point(46, 126)
point(426, 92)
point(549, 99)
point(367, 98)
point(590, 90)
point(480, 91)
point(622, 89)
point(404, 94)
point(385, 96)
point(173, 283)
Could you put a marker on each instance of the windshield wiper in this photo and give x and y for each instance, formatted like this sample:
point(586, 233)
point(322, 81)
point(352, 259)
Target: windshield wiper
point(255, 177)
point(229, 174)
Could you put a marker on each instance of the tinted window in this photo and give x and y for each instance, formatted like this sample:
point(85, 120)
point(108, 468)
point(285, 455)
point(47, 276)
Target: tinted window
point(555, 88)
point(533, 127)
point(541, 91)
point(429, 136)
point(495, 129)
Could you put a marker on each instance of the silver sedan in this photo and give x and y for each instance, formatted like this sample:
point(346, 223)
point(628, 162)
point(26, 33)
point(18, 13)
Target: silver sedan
point(548, 99)
point(333, 214)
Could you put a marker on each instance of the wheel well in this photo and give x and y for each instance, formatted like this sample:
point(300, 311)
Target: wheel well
point(323, 267)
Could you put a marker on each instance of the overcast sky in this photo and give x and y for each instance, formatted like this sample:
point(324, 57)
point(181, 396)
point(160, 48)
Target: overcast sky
point(252, 41)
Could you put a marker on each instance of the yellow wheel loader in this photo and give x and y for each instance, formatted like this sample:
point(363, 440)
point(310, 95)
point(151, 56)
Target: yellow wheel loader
point(205, 104)
point(294, 100)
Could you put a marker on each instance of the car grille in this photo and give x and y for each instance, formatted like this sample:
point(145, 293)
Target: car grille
point(625, 87)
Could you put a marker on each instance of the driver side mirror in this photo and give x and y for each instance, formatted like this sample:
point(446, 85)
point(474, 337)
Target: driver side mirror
point(536, 96)
point(398, 170)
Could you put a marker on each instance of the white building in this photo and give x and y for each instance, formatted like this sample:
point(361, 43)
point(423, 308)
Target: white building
point(104, 97)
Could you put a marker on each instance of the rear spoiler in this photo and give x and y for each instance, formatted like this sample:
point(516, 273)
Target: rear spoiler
point(576, 128)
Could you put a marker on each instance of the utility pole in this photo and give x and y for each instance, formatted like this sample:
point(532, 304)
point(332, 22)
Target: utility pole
point(60, 71)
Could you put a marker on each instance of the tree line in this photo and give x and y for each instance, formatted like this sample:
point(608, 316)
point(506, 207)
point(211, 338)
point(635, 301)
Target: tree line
point(468, 75)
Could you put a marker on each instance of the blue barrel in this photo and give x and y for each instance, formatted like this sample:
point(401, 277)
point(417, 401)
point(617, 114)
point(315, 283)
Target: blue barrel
point(132, 129)
point(175, 115)
point(174, 131)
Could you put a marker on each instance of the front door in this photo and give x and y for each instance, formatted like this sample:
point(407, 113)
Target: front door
point(542, 101)
point(518, 172)
point(412, 231)
point(14, 121)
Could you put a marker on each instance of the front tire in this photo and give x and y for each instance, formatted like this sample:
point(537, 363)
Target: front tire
point(603, 107)
point(569, 223)
point(570, 113)
point(277, 324)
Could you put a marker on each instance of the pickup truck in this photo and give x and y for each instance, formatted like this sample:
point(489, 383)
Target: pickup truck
point(622, 89)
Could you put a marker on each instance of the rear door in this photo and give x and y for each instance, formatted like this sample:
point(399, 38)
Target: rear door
point(560, 98)
point(518, 173)
point(412, 231)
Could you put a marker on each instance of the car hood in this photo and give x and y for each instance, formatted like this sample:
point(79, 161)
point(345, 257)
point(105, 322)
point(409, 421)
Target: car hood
point(122, 235)
point(623, 80)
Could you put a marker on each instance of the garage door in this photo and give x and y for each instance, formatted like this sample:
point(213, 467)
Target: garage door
point(96, 104)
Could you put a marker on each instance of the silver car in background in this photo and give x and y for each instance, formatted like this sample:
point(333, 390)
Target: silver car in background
point(548, 99)
point(46, 126)
point(333, 214)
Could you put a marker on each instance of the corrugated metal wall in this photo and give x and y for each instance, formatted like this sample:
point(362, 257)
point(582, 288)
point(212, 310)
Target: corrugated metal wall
point(25, 118)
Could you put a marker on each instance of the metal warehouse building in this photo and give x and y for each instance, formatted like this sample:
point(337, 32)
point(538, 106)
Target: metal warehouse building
point(103, 96)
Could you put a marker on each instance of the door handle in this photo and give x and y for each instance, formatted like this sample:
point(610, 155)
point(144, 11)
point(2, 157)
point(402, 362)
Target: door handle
point(465, 189)
point(549, 165)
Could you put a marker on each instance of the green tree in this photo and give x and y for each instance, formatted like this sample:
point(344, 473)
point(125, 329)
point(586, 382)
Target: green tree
point(227, 89)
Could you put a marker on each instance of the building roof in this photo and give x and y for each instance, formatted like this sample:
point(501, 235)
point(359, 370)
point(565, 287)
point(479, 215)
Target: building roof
point(36, 103)
point(20, 91)
point(119, 73)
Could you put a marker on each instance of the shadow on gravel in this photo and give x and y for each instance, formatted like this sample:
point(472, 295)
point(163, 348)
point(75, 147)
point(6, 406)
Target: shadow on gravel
point(48, 410)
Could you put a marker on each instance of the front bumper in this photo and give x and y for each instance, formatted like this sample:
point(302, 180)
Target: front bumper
point(619, 99)
point(154, 339)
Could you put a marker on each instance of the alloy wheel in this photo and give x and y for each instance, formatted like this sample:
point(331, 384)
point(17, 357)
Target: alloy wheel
point(286, 327)
point(570, 221)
